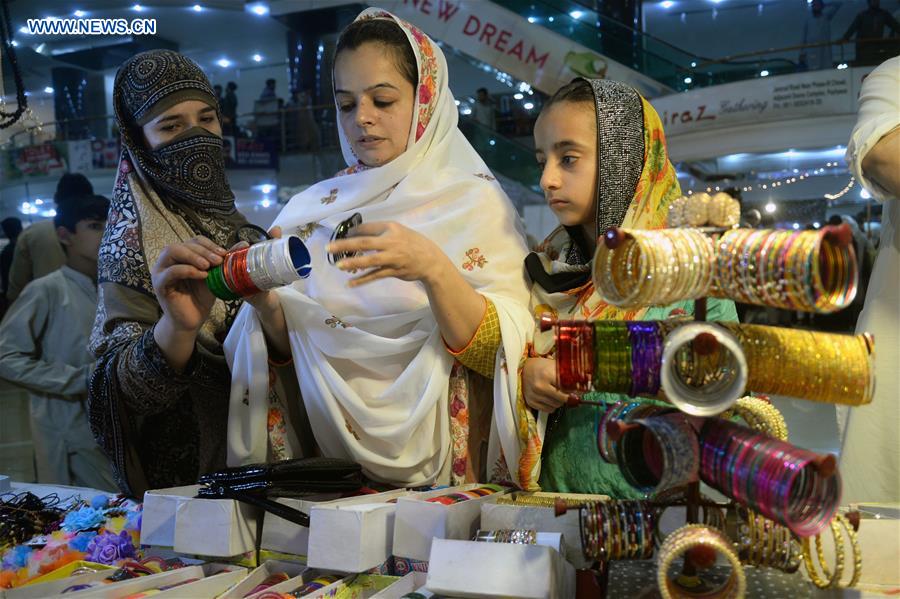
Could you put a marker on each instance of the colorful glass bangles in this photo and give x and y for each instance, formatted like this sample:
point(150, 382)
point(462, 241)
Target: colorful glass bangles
point(260, 267)
point(658, 453)
point(653, 267)
point(688, 539)
point(703, 368)
point(832, 578)
point(840, 368)
point(784, 483)
point(811, 271)
point(617, 530)
point(458, 496)
point(808, 271)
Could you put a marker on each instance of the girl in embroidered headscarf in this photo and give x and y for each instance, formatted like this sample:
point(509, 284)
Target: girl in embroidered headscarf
point(441, 254)
point(603, 154)
point(159, 393)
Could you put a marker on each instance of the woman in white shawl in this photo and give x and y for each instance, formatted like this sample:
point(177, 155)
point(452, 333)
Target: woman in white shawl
point(373, 340)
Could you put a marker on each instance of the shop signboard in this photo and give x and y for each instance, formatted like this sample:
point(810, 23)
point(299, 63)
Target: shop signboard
point(41, 160)
point(764, 100)
point(250, 153)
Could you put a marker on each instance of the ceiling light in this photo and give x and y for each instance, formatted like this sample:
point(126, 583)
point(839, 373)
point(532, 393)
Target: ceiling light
point(764, 73)
point(258, 8)
point(770, 208)
point(576, 14)
point(48, 90)
point(257, 58)
point(223, 62)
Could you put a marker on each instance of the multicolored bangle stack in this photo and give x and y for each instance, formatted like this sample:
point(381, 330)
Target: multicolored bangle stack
point(762, 542)
point(644, 357)
point(782, 482)
point(262, 266)
point(655, 267)
point(687, 538)
point(658, 453)
point(796, 270)
point(616, 530)
point(833, 579)
point(840, 368)
point(459, 496)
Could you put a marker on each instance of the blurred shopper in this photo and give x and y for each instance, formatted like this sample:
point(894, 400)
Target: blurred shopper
point(868, 27)
point(817, 30)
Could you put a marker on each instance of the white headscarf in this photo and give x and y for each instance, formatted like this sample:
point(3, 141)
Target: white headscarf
point(371, 364)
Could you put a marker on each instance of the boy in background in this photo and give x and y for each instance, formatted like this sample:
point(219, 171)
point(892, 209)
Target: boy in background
point(44, 348)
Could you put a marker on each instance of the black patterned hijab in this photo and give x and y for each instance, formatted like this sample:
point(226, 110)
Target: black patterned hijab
point(188, 171)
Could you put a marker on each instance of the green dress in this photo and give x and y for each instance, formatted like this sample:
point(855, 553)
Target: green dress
point(570, 462)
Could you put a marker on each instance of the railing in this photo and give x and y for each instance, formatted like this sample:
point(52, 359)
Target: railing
point(678, 68)
point(311, 130)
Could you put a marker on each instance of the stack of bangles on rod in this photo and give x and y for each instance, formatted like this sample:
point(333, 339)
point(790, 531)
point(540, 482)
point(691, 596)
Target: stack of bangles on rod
point(262, 266)
point(789, 485)
point(698, 540)
point(458, 496)
point(810, 271)
point(762, 542)
point(658, 453)
point(617, 530)
point(704, 368)
point(832, 578)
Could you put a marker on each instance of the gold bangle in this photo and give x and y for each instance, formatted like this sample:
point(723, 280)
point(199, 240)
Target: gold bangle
point(832, 578)
point(697, 535)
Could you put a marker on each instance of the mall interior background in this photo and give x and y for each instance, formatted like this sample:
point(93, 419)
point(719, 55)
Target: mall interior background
point(751, 104)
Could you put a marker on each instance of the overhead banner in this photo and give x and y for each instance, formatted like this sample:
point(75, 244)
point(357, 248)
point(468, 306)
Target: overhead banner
point(501, 38)
point(508, 42)
point(763, 100)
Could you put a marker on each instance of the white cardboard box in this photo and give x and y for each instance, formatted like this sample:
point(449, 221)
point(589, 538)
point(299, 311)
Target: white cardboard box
point(285, 536)
point(158, 518)
point(409, 583)
point(259, 574)
point(215, 527)
point(418, 521)
point(479, 570)
point(353, 534)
